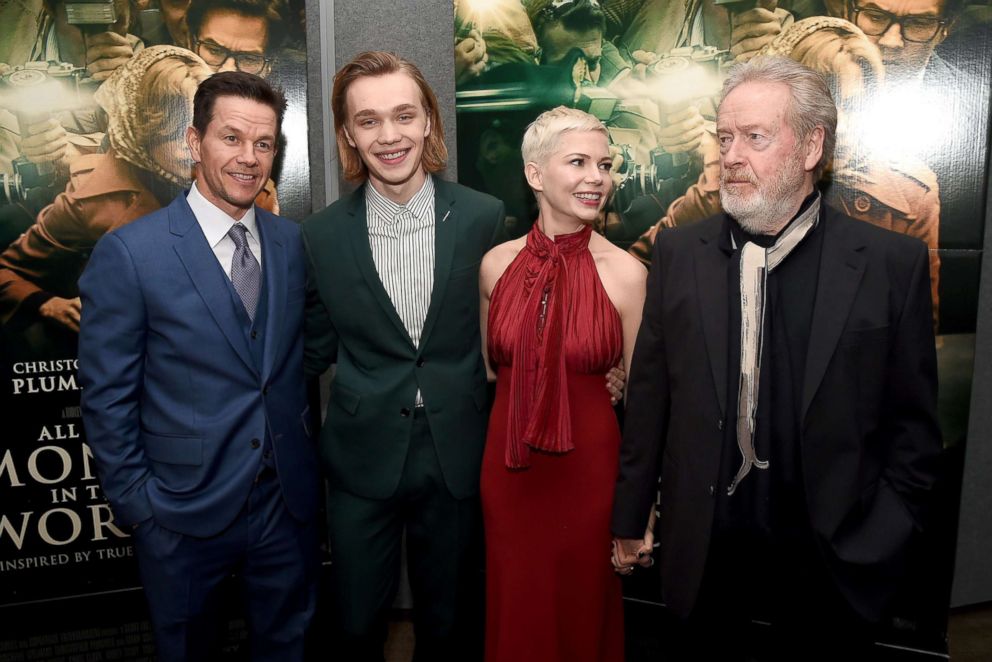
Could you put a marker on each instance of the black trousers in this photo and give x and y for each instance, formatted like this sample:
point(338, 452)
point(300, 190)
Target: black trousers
point(786, 611)
point(443, 557)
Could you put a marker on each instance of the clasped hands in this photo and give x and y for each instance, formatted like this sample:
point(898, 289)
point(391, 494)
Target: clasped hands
point(630, 552)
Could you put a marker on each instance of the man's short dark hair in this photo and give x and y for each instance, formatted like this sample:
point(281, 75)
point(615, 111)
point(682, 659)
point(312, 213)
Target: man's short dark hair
point(235, 84)
point(272, 11)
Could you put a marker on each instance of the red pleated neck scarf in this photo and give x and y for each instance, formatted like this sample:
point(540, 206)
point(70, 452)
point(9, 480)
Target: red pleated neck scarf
point(539, 412)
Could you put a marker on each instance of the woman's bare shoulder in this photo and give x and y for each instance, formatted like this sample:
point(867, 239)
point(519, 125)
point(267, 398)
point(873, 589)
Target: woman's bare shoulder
point(621, 265)
point(495, 262)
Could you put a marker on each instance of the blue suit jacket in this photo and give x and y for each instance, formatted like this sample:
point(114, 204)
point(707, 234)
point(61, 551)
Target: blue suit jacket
point(175, 408)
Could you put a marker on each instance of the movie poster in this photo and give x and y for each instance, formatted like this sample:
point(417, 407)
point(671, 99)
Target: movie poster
point(911, 82)
point(95, 99)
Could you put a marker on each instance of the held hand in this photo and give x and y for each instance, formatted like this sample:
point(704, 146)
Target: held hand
point(625, 554)
point(616, 163)
point(646, 549)
point(616, 379)
point(63, 311)
point(470, 57)
point(683, 131)
point(46, 141)
point(642, 61)
point(755, 29)
point(105, 52)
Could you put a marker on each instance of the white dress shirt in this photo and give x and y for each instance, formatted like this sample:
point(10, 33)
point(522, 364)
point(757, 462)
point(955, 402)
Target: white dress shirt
point(215, 224)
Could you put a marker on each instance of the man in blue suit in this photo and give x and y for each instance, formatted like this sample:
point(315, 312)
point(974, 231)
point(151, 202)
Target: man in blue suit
point(191, 360)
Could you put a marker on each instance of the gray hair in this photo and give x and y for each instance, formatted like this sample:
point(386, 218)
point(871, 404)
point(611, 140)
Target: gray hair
point(543, 134)
point(812, 104)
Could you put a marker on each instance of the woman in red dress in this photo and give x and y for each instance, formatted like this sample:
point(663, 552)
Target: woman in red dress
point(560, 307)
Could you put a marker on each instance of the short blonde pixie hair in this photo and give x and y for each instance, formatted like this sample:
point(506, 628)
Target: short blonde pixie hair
point(543, 134)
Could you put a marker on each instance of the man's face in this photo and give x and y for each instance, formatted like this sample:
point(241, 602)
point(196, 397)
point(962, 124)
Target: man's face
point(173, 14)
point(225, 33)
point(235, 153)
point(388, 125)
point(903, 58)
point(765, 172)
point(557, 43)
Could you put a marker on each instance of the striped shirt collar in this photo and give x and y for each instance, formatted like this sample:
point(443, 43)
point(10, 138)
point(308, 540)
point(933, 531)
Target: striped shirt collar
point(421, 205)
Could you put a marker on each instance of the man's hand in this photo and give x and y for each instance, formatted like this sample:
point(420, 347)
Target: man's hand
point(755, 29)
point(616, 379)
point(64, 311)
point(642, 61)
point(105, 52)
point(628, 552)
point(46, 142)
point(470, 57)
point(683, 132)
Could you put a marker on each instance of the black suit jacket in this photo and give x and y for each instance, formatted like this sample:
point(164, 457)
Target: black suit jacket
point(869, 435)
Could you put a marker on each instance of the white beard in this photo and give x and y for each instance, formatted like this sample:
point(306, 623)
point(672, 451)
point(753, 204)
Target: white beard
point(770, 205)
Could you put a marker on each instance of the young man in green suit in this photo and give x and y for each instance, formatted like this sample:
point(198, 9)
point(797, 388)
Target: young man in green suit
point(393, 300)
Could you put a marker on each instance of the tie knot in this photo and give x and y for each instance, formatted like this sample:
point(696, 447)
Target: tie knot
point(238, 233)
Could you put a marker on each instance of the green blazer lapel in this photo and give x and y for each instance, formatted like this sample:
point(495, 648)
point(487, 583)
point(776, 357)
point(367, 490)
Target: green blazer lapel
point(358, 232)
point(842, 265)
point(445, 226)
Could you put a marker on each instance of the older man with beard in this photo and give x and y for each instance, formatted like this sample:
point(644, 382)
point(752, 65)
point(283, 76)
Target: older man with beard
point(783, 387)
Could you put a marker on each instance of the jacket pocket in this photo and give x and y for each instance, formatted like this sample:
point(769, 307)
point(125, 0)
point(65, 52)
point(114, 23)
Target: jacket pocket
point(347, 400)
point(173, 450)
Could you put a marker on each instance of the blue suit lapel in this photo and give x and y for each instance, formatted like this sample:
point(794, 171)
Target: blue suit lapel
point(275, 272)
point(208, 277)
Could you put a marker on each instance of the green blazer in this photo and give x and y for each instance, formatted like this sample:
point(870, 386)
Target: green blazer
point(350, 318)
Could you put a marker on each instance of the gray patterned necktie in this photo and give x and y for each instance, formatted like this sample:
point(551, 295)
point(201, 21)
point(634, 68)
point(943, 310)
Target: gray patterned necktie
point(246, 275)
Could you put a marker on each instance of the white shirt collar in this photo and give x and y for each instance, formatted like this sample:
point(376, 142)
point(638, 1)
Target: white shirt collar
point(214, 222)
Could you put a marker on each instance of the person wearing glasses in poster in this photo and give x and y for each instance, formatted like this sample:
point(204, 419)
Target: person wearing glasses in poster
point(237, 35)
point(906, 32)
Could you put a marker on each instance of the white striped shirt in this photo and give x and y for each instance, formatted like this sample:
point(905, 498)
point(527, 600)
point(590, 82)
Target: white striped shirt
point(402, 242)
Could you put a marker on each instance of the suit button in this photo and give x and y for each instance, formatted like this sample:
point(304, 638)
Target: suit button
point(420, 363)
point(265, 390)
point(404, 412)
point(712, 490)
point(719, 425)
point(254, 334)
point(255, 443)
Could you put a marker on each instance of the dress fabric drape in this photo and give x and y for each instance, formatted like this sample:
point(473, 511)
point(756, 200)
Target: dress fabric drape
point(551, 460)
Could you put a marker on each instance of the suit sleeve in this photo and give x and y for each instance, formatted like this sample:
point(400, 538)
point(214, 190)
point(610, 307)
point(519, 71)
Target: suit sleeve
point(112, 346)
point(647, 413)
point(320, 339)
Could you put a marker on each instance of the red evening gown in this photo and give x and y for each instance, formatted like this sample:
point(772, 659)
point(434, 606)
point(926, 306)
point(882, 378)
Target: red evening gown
point(550, 461)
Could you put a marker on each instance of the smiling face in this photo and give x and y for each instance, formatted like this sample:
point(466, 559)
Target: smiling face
point(765, 170)
point(387, 124)
point(235, 153)
point(574, 182)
